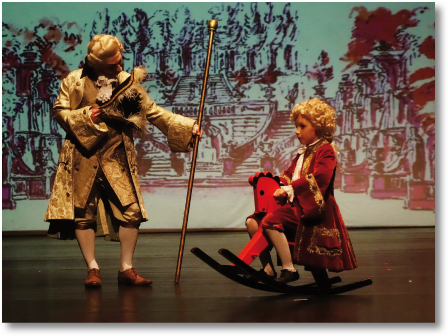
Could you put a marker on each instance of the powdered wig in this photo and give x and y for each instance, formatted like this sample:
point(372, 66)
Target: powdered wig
point(101, 48)
point(319, 114)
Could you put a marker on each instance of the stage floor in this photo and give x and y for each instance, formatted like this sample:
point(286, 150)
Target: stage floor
point(43, 282)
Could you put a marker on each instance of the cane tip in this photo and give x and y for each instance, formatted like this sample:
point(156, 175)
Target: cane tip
point(212, 24)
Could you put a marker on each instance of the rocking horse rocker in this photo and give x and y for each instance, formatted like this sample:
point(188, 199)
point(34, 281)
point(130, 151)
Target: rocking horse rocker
point(240, 271)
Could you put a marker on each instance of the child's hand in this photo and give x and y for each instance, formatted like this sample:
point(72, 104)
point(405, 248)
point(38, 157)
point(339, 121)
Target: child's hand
point(280, 196)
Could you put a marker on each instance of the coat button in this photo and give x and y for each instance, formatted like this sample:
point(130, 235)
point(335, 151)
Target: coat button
point(84, 112)
point(65, 167)
point(78, 83)
point(95, 166)
point(68, 194)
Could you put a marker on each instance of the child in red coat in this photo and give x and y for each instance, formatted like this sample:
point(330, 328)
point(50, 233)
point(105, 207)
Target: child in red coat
point(321, 239)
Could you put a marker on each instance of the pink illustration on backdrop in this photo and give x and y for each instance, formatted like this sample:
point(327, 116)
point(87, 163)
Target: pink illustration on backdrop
point(385, 128)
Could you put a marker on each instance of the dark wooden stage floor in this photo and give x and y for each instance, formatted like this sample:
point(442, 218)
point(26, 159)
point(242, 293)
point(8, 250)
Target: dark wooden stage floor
point(43, 282)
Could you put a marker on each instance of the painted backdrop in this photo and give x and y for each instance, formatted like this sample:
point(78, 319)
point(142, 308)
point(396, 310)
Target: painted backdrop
point(373, 62)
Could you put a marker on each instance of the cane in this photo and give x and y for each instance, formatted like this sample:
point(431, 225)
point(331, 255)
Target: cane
point(212, 26)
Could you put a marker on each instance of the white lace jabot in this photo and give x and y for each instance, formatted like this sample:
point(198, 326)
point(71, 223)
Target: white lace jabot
point(297, 171)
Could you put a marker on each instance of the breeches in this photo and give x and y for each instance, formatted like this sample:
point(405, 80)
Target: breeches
point(129, 216)
point(283, 219)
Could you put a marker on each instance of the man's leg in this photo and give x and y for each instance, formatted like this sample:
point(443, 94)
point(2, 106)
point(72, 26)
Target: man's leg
point(85, 226)
point(265, 256)
point(130, 217)
point(128, 240)
point(86, 241)
point(128, 234)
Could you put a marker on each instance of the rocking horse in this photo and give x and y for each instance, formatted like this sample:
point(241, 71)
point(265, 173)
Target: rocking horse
point(264, 185)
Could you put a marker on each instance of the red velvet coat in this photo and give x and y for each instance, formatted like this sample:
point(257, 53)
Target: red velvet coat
point(321, 238)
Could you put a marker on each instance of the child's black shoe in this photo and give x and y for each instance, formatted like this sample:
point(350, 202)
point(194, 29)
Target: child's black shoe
point(261, 272)
point(288, 276)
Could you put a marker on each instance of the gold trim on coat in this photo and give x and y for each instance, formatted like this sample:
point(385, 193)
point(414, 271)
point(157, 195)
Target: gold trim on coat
point(288, 180)
point(316, 192)
point(131, 81)
point(314, 248)
point(309, 157)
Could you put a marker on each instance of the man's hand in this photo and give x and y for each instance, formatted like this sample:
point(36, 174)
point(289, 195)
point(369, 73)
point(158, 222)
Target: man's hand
point(197, 132)
point(280, 196)
point(95, 113)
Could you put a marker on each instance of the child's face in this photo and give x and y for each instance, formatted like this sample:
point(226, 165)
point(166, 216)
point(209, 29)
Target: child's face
point(305, 131)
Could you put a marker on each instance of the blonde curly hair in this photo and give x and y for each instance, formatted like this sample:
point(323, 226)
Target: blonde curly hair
point(319, 114)
point(101, 48)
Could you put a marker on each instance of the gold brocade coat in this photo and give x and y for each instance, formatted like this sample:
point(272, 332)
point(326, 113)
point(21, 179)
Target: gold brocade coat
point(81, 131)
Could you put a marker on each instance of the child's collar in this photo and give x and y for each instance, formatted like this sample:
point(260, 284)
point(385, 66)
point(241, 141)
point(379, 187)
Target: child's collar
point(302, 150)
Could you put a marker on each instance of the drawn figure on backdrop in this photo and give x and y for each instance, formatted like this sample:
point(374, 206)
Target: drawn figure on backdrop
point(215, 137)
point(21, 158)
point(348, 155)
point(432, 160)
point(6, 157)
point(98, 106)
point(292, 96)
point(308, 214)
point(414, 152)
point(394, 160)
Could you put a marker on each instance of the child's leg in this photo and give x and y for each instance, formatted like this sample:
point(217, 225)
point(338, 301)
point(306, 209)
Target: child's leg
point(265, 256)
point(281, 245)
point(320, 276)
point(274, 224)
point(252, 227)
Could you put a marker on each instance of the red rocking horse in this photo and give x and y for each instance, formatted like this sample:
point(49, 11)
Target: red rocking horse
point(264, 185)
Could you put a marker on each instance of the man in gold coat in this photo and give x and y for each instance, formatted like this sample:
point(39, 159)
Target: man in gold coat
point(96, 189)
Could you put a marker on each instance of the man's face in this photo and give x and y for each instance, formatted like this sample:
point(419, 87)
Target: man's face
point(305, 131)
point(113, 66)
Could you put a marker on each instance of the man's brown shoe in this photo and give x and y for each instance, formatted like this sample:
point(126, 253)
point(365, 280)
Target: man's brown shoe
point(130, 277)
point(93, 278)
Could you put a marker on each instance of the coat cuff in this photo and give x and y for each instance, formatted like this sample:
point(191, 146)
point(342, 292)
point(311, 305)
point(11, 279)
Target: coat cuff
point(82, 126)
point(180, 133)
point(290, 191)
point(309, 196)
point(285, 180)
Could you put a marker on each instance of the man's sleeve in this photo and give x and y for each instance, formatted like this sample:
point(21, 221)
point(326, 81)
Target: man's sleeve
point(177, 128)
point(77, 122)
point(311, 188)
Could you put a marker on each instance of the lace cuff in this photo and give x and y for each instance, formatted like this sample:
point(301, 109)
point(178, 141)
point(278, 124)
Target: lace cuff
point(195, 129)
point(290, 191)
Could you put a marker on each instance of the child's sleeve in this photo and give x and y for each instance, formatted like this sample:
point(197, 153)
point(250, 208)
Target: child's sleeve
point(311, 188)
point(286, 176)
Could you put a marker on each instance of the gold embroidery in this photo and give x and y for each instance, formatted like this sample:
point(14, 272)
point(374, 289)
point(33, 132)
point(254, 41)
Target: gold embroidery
point(349, 245)
point(314, 248)
point(300, 241)
point(316, 192)
point(288, 180)
point(309, 156)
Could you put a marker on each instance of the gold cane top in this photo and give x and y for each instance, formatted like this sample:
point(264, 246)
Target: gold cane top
point(212, 25)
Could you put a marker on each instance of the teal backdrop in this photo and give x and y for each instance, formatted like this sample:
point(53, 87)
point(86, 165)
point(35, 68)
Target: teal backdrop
point(373, 62)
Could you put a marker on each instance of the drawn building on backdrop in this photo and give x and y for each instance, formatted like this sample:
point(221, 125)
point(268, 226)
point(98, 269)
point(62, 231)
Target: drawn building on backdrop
point(256, 76)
